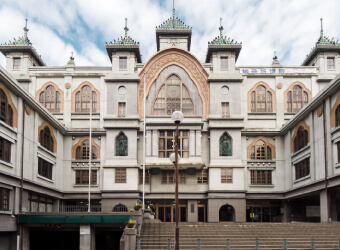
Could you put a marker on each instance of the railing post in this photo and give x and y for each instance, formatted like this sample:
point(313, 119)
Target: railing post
point(138, 244)
point(228, 244)
point(313, 244)
point(257, 244)
point(339, 244)
point(169, 244)
point(284, 244)
point(198, 244)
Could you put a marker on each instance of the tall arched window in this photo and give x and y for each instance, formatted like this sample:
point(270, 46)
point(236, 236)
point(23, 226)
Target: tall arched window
point(301, 139)
point(6, 112)
point(173, 95)
point(260, 151)
point(121, 145)
point(82, 102)
point(225, 145)
point(83, 151)
point(261, 100)
point(46, 139)
point(337, 116)
point(296, 99)
point(50, 98)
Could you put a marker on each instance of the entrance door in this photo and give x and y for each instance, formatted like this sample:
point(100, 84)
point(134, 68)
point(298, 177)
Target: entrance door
point(201, 213)
point(227, 213)
point(167, 213)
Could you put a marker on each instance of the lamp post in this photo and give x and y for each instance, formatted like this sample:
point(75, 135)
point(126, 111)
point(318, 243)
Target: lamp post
point(177, 117)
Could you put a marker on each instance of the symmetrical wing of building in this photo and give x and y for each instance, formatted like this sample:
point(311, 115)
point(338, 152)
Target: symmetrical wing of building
point(256, 143)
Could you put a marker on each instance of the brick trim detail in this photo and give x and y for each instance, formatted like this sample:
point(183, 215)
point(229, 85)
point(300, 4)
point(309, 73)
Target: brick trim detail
point(336, 104)
point(43, 88)
point(267, 88)
point(272, 147)
point(41, 127)
point(93, 143)
point(306, 127)
point(304, 88)
point(11, 104)
point(73, 106)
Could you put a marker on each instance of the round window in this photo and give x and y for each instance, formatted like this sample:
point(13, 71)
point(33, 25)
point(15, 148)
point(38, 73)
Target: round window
point(225, 90)
point(122, 90)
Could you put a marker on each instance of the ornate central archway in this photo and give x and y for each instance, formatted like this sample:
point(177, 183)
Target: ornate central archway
point(183, 59)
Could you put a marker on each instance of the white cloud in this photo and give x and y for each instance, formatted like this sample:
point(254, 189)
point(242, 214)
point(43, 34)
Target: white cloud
point(83, 26)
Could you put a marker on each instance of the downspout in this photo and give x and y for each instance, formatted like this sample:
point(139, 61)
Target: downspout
point(19, 240)
point(326, 162)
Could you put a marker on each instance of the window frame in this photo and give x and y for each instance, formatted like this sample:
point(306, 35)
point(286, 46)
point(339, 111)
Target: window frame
point(5, 150)
point(46, 138)
point(16, 63)
point(296, 100)
point(123, 63)
point(121, 109)
point(120, 175)
point(183, 138)
point(331, 66)
point(168, 177)
point(267, 152)
point(45, 168)
point(82, 177)
point(301, 138)
point(83, 151)
point(256, 103)
point(82, 100)
point(224, 63)
point(225, 108)
point(226, 175)
point(46, 99)
point(261, 177)
point(221, 143)
point(147, 177)
point(4, 199)
point(202, 176)
point(337, 116)
point(119, 140)
point(44, 203)
point(302, 169)
point(6, 111)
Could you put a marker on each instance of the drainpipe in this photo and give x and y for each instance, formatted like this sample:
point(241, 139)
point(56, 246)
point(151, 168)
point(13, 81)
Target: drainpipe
point(19, 239)
point(326, 162)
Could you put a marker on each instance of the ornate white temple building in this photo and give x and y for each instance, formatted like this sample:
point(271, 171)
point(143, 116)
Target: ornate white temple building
point(257, 144)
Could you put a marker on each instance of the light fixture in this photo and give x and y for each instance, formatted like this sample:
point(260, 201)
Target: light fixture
point(99, 137)
point(177, 116)
point(73, 138)
point(83, 164)
point(173, 157)
point(77, 163)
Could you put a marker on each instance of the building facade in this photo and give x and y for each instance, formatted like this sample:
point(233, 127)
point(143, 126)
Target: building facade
point(257, 144)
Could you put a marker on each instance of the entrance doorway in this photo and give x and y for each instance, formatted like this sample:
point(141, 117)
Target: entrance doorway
point(263, 211)
point(202, 211)
point(227, 213)
point(54, 239)
point(165, 210)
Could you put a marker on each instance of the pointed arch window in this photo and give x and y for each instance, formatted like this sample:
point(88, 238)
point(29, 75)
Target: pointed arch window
point(261, 100)
point(121, 145)
point(261, 151)
point(50, 98)
point(337, 116)
point(173, 95)
point(225, 145)
point(301, 139)
point(83, 151)
point(296, 99)
point(6, 112)
point(46, 139)
point(82, 102)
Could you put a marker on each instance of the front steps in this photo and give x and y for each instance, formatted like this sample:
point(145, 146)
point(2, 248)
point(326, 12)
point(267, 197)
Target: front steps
point(155, 235)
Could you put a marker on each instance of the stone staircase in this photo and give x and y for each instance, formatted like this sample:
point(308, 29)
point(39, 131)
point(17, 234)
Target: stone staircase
point(242, 235)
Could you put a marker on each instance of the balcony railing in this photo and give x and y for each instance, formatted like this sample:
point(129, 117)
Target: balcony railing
point(81, 209)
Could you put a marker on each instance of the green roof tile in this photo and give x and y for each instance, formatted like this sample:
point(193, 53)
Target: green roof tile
point(173, 23)
point(124, 41)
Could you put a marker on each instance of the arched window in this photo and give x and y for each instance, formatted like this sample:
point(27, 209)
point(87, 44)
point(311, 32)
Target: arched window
point(121, 145)
point(6, 112)
point(261, 100)
point(296, 99)
point(225, 145)
point(83, 151)
point(46, 139)
point(173, 95)
point(82, 99)
point(337, 116)
point(227, 213)
point(120, 208)
point(50, 98)
point(301, 139)
point(260, 151)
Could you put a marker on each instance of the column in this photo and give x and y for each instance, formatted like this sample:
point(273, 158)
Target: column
point(192, 210)
point(148, 143)
point(198, 142)
point(323, 206)
point(85, 237)
point(155, 143)
point(192, 140)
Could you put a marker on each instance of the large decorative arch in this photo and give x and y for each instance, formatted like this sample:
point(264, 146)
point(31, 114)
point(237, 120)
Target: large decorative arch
point(304, 89)
point(268, 144)
point(333, 111)
point(79, 143)
point(41, 127)
point(183, 59)
point(10, 103)
point(268, 89)
point(43, 88)
point(73, 108)
point(306, 127)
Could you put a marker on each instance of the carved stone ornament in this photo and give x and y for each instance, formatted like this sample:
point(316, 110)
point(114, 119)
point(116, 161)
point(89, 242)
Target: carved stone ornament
point(279, 85)
point(28, 110)
point(183, 59)
point(67, 85)
point(319, 111)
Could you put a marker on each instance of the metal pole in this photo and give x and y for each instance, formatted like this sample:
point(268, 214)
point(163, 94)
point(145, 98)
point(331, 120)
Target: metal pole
point(284, 244)
point(169, 244)
point(176, 189)
point(90, 156)
point(228, 244)
point(138, 244)
point(313, 244)
point(144, 146)
point(198, 244)
point(256, 244)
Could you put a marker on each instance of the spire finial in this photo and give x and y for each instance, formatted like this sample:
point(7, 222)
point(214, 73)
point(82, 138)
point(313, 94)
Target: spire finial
point(126, 28)
point(275, 57)
point(173, 13)
point(321, 27)
point(71, 57)
point(221, 28)
point(25, 28)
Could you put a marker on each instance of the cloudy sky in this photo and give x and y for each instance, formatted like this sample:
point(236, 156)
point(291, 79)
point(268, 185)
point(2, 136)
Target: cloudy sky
point(57, 27)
